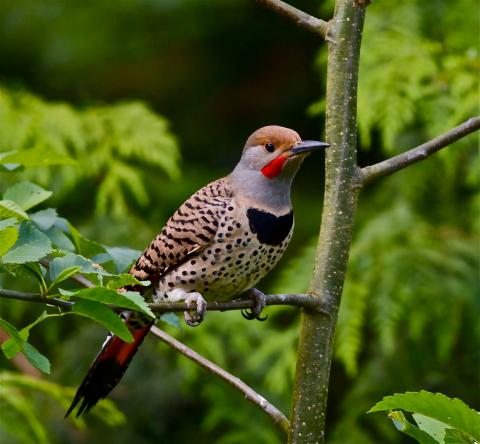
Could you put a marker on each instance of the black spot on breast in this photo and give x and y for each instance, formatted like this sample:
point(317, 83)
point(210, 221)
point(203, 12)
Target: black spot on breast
point(270, 229)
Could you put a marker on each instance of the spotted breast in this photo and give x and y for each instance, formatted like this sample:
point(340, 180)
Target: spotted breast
point(219, 246)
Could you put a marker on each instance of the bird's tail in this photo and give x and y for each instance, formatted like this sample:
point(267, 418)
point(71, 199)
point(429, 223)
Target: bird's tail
point(109, 366)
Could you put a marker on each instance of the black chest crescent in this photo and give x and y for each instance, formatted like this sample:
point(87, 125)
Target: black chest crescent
point(270, 229)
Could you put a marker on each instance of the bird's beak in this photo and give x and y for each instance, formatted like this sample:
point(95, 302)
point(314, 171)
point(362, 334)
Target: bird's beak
point(306, 146)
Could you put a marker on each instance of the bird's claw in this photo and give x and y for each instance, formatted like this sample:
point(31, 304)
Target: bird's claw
point(259, 304)
point(197, 307)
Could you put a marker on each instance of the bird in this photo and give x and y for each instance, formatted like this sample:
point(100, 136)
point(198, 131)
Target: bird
point(216, 246)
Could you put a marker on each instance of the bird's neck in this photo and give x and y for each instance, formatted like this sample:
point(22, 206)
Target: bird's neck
point(269, 194)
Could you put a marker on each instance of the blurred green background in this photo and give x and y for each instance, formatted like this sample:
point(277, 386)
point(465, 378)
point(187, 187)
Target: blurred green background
point(154, 98)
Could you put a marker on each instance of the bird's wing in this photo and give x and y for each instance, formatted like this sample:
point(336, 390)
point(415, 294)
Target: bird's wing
point(191, 229)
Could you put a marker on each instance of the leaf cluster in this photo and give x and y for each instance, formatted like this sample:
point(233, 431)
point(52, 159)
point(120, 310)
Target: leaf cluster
point(439, 419)
point(51, 250)
point(106, 146)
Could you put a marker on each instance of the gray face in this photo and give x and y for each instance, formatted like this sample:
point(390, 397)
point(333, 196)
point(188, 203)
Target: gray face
point(256, 158)
point(270, 159)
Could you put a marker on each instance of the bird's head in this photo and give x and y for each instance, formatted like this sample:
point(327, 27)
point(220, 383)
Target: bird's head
point(270, 159)
point(276, 152)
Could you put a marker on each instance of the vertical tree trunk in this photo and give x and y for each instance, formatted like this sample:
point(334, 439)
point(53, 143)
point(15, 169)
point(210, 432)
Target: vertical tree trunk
point(342, 184)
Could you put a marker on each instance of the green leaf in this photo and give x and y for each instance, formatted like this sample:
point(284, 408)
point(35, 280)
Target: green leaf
point(31, 246)
point(122, 257)
point(36, 358)
point(125, 279)
point(36, 157)
point(11, 347)
point(171, 319)
point(75, 260)
point(17, 340)
point(452, 412)
point(404, 426)
point(44, 219)
point(104, 316)
point(8, 208)
point(128, 299)
point(67, 273)
point(8, 237)
point(26, 194)
point(85, 246)
point(140, 302)
point(436, 429)
point(60, 239)
point(10, 222)
point(453, 436)
point(18, 343)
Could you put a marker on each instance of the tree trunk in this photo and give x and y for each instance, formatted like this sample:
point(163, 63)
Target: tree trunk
point(342, 185)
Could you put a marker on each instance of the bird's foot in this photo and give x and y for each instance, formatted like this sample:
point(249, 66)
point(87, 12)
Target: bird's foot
point(197, 307)
point(259, 304)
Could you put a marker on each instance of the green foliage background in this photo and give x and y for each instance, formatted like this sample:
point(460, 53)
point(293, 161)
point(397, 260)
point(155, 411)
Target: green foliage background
point(96, 81)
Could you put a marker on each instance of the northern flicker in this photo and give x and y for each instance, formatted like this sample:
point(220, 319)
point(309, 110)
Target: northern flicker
point(216, 246)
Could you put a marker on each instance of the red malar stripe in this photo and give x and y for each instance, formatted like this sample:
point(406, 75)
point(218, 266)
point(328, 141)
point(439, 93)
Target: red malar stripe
point(274, 168)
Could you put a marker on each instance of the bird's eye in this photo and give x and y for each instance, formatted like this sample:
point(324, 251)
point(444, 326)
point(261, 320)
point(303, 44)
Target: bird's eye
point(270, 147)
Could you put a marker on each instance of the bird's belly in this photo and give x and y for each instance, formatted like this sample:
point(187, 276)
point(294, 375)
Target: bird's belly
point(224, 270)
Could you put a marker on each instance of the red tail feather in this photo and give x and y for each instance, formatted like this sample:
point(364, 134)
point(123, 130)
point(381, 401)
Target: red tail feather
point(107, 369)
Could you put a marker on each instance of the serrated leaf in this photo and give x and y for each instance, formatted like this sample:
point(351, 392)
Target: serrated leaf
point(171, 319)
point(8, 209)
point(104, 316)
point(125, 279)
point(140, 302)
point(31, 246)
point(26, 194)
point(436, 429)
point(44, 219)
point(36, 157)
point(36, 358)
point(404, 426)
point(60, 239)
point(67, 273)
point(452, 412)
point(8, 237)
point(122, 257)
point(128, 299)
point(87, 266)
point(61, 264)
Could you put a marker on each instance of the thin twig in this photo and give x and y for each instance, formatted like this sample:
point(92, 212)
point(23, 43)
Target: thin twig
point(82, 280)
point(314, 24)
point(34, 297)
point(278, 417)
point(299, 300)
point(419, 153)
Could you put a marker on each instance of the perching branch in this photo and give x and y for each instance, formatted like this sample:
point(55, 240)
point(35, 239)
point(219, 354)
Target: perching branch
point(419, 153)
point(34, 297)
point(300, 300)
point(301, 18)
point(278, 417)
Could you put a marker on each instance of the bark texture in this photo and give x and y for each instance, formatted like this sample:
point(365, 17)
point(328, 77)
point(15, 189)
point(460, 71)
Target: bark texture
point(342, 184)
